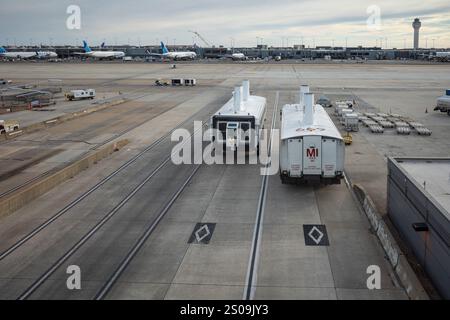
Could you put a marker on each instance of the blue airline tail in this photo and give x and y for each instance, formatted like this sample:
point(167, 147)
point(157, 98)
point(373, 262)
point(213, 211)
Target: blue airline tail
point(2, 50)
point(86, 47)
point(164, 48)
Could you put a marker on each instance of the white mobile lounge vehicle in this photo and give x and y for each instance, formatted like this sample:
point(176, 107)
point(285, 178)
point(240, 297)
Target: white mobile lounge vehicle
point(239, 122)
point(311, 150)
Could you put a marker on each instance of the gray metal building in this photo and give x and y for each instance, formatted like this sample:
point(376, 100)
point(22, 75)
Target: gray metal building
point(419, 206)
point(261, 51)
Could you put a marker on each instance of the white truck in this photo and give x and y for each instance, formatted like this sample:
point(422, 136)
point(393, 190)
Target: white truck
point(239, 122)
point(350, 103)
point(344, 113)
point(443, 103)
point(351, 122)
point(7, 126)
point(312, 150)
point(80, 94)
point(340, 108)
point(190, 82)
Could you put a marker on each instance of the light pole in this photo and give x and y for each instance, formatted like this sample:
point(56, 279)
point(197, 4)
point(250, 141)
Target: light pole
point(232, 42)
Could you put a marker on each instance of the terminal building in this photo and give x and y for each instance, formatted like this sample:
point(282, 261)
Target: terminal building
point(259, 52)
point(419, 207)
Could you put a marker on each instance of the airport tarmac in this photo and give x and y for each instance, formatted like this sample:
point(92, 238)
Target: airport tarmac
point(171, 202)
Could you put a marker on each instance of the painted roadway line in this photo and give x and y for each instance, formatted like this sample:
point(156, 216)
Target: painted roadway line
point(44, 277)
point(96, 147)
point(15, 133)
point(149, 230)
point(252, 270)
point(45, 224)
point(28, 292)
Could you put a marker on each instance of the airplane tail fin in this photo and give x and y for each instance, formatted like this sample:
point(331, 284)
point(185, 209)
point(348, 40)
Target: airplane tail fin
point(86, 47)
point(103, 45)
point(2, 50)
point(164, 48)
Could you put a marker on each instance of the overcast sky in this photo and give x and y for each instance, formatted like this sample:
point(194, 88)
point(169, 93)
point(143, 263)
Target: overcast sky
point(243, 22)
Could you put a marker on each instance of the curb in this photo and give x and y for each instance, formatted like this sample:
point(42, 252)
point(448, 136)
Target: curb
point(397, 259)
point(21, 198)
point(58, 120)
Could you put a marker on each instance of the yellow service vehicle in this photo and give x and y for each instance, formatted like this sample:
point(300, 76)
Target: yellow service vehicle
point(348, 139)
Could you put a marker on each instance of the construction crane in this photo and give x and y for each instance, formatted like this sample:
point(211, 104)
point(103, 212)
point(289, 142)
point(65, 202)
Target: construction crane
point(201, 38)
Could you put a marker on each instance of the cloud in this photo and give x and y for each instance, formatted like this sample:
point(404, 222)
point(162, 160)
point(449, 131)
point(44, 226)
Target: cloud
point(149, 21)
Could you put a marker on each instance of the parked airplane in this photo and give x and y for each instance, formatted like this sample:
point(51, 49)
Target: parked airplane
point(27, 54)
point(46, 55)
point(101, 54)
point(235, 56)
point(175, 55)
point(238, 56)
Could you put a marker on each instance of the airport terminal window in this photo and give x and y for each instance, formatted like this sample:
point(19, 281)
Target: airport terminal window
point(245, 126)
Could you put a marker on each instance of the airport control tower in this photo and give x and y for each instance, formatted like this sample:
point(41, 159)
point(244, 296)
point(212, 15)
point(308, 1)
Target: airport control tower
point(416, 25)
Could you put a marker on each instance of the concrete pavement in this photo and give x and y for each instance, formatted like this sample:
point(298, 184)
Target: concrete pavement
point(168, 267)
